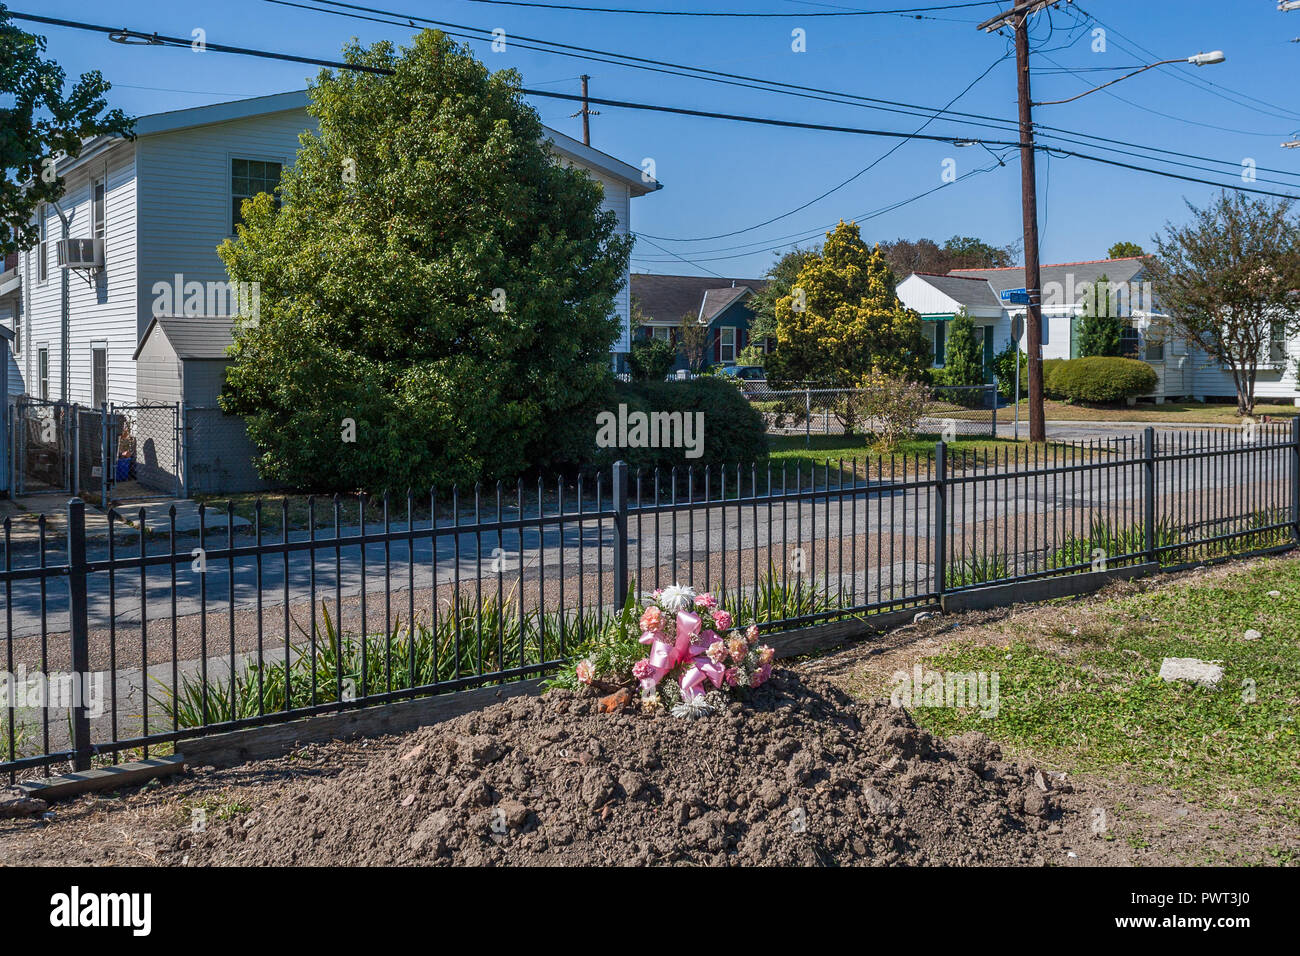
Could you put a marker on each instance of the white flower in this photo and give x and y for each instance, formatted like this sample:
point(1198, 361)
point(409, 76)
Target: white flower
point(693, 708)
point(676, 598)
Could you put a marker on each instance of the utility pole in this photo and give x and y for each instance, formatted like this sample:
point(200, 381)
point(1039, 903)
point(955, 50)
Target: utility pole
point(1018, 17)
point(586, 112)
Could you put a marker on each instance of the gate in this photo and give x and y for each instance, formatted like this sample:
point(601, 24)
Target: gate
point(141, 451)
point(43, 446)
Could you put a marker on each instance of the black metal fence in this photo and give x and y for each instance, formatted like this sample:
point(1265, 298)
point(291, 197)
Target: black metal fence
point(140, 632)
point(951, 411)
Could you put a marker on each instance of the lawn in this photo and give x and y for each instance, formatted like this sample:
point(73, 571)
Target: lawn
point(1084, 693)
point(1189, 413)
point(795, 450)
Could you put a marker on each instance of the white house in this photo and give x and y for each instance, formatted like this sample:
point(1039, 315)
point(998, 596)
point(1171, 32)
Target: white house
point(993, 299)
point(157, 208)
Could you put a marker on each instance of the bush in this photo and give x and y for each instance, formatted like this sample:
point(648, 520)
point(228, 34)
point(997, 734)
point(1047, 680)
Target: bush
point(1102, 380)
point(963, 361)
point(1004, 370)
point(734, 432)
point(891, 407)
point(651, 360)
point(1049, 369)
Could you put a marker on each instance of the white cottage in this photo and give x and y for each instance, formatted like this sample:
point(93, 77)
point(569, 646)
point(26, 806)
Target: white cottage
point(994, 299)
point(156, 208)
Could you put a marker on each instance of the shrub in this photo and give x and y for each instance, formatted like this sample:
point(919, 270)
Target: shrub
point(1102, 380)
point(963, 361)
point(651, 360)
point(1004, 370)
point(891, 407)
point(734, 431)
point(1049, 369)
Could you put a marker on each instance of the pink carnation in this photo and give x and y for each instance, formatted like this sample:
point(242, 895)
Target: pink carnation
point(751, 635)
point(642, 669)
point(717, 652)
point(738, 649)
point(766, 655)
point(584, 672)
point(760, 676)
point(729, 677)
point(721, 620)
point(652, 619)
point(706, 600)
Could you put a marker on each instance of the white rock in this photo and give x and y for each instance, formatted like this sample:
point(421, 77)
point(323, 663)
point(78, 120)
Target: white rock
point(924, 616)
point(1275, 594)
point(1199, 672)
point(1252, 635)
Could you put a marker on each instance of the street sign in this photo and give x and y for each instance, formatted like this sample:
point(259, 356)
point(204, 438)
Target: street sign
point(1015, 296)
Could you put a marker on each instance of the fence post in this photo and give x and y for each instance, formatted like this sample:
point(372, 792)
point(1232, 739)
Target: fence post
point(104, 460)
point(1149, 493)
point(807, 417)
point(620, 533)
point(940, 532)
point(1295, 477)
point(993, 405)
point(79, 632)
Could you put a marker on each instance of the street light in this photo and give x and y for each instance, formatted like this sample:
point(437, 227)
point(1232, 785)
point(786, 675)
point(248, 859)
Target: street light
point(1199, 59)
point(1292, 144)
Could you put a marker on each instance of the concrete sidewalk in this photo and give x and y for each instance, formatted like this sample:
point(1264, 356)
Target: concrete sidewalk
point(24, 515)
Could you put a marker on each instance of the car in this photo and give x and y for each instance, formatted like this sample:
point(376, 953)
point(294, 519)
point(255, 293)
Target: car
point(746, 373)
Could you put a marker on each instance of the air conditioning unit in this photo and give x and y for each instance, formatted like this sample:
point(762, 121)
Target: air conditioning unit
point(80, 253)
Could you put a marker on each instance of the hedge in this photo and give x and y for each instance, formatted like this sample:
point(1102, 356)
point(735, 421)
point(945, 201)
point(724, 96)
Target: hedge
point(1099, 379)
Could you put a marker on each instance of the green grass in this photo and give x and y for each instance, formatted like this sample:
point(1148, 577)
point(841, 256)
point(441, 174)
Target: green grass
point(1093, 700)
point(823, 448)
point(1170, 412)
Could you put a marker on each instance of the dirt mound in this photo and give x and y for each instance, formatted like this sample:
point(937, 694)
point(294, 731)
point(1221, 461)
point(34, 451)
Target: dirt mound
point(800, 774)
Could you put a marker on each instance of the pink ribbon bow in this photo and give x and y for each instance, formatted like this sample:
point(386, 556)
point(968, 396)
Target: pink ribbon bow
point(689, 644)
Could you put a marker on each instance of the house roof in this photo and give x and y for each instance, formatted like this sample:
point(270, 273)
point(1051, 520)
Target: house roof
point(173, 120)
point(1067, 275)
point(969, 291)
point(665, 299)
point(192, 337)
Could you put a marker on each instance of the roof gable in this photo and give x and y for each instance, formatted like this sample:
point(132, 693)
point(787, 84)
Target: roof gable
point(665, 299)
point(192, 337)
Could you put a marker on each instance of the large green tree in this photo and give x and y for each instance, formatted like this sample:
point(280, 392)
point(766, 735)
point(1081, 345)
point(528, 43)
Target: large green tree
point(842, 319)
point(906, 256)
point(1228, 280)
point(780, 280)
point(38, 123)
point(432, 274)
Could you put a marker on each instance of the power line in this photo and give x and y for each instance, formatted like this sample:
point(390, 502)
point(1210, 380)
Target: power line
point(901, 11)
point(743, 81)
point(622, 104)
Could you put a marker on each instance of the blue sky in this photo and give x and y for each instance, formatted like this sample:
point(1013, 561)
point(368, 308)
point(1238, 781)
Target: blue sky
point(720, 177)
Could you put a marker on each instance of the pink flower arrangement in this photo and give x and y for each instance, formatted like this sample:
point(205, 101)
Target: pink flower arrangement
point(706, 600)
point(652, 619)
point(721, 620)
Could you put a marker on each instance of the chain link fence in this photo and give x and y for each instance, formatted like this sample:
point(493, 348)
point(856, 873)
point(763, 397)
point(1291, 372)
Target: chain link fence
point(219, 456)
point(949, 412)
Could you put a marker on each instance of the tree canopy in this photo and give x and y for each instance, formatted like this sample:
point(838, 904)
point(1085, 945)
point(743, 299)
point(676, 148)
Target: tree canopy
point(842, 320)
point(906, 256)
point(1228, 281)
point(38, 123)
point(1125, 250)
point(432, 276)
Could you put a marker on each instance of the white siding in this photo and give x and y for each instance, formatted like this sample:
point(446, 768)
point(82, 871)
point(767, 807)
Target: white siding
point(185, 202)
point(99, 310)
point(158, 371)
point(618, 201)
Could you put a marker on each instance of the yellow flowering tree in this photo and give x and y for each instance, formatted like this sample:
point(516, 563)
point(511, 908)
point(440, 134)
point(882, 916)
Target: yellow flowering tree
point(842, 320)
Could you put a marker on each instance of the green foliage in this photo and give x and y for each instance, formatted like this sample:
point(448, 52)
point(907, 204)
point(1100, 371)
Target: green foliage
point(39, 121)
point(1049, 371)
point(781, 279)
point(1004, 370)
point(650, 360)
point(964, 357)
point(976, 569)
point(1101, 330)
point(377, 295)
point(734, 432)
point(612, 649)
point(1102, 380)
point(1125, 250)
point(842, 319)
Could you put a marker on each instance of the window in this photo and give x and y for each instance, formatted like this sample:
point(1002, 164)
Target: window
point(42, 247)
point(1155, 348)
point(727, 344)
point(940, 343)
point(43, 372)
point(1129, 341)
point(248, 177)
point(99, 374)
point(1277, 342)
point(97, 208)
point(661, 332)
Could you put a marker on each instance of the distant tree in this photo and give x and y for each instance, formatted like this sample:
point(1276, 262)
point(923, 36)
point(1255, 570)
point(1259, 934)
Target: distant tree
point(906, 256)
point(1227, 280)
point(693, 340)
point(1125, 250)
point(1101, 328)
point(40, 124)
point(842, 321)
point(780, 279)
point(650, 360)
point(963, 358)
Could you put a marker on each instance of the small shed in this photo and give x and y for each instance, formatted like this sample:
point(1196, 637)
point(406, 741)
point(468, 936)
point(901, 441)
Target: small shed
point(181, 360)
